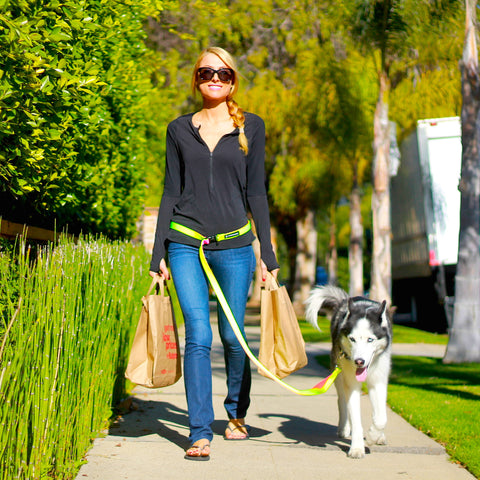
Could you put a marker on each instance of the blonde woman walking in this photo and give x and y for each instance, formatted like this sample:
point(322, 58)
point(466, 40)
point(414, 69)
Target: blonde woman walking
point(214, 175)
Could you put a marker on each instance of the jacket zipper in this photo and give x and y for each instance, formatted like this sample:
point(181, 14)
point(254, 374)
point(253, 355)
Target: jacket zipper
point(211, 157)
point(211, 171)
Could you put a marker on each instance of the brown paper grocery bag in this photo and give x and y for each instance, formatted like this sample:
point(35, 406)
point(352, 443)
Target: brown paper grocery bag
point(282, 348)
point(155, 359)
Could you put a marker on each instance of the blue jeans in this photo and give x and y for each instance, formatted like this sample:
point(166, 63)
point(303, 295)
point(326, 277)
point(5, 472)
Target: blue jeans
point(233, 269)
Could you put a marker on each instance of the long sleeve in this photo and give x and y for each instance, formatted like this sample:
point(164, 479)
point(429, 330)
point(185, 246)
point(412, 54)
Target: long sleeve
point(210, 192)
point(163, 222)
point(260, 214)
point(171, 194)
point(257, 194)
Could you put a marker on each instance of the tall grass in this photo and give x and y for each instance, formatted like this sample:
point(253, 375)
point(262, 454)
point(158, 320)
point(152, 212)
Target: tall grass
point(68, 317)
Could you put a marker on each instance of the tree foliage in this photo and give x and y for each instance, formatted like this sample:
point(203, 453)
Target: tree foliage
point(306, 73)
point(73, 83)
point(84, 104)
point(430, 86)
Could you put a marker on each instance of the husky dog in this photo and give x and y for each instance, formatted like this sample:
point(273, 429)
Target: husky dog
point(361, 333)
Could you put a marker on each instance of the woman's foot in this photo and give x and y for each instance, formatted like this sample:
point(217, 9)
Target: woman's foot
point(237, 430)
point(199, 451)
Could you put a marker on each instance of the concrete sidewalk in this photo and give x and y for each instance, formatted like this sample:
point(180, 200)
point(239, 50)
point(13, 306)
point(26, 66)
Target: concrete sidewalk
point(292, 437)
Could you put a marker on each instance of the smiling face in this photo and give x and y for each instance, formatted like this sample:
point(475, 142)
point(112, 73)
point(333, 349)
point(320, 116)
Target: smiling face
point(213, 90)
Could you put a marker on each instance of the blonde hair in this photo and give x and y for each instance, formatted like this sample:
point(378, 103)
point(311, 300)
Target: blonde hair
point(236, 113)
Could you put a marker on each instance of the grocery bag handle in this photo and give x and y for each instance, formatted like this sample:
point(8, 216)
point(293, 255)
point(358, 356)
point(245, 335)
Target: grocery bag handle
point(270, 282)
point(159, 283)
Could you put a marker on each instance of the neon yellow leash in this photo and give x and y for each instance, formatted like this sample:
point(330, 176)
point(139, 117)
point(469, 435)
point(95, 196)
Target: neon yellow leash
point(320, 387)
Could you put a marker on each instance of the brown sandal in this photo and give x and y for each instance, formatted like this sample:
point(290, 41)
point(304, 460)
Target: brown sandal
point(230, 429)
point(198, 453)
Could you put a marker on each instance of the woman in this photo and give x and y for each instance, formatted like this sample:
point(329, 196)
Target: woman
point(214, 171)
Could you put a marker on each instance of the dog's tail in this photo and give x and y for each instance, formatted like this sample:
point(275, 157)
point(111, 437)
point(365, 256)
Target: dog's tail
point(326, 298)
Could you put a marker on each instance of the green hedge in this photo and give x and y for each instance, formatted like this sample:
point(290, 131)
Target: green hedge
point(74, 90)
point(69, 315)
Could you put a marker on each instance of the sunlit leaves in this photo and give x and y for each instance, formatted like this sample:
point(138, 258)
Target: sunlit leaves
point(73, 81)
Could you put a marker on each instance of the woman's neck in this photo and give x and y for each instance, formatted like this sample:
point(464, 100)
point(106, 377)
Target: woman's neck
point(214, 113)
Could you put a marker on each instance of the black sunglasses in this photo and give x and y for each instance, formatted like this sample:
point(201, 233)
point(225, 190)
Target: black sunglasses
point(225, 75)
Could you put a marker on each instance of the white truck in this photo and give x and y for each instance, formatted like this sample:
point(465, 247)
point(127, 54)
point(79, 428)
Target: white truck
point(425, 215)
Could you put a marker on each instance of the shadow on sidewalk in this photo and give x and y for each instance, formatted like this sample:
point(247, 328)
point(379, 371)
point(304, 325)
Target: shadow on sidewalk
point(303, 431)
point(164, 420)
point(153, 418)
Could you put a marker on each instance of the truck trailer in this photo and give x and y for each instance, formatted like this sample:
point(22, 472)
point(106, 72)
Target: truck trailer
point(425, 217)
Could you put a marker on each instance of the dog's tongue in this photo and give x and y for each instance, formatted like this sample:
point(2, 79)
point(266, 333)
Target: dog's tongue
point(361, 374)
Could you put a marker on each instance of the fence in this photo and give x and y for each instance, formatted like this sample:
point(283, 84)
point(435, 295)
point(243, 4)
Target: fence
point(11, 230)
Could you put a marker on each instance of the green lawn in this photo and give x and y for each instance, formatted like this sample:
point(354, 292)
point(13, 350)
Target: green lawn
point(440, 400)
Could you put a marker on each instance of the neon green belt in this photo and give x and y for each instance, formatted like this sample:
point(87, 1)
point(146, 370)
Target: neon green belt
point(206, 240)
point(320, 387)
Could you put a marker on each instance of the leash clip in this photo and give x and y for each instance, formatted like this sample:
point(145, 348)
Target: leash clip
point(207, 240)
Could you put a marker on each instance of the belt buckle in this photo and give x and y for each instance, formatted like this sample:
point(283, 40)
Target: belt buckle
point(207, 240)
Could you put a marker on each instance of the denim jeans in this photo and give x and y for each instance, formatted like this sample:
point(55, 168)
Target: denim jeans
point(233, 269)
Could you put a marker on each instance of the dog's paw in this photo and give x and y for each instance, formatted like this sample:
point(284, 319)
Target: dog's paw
point(357, 452)
point(376, 437)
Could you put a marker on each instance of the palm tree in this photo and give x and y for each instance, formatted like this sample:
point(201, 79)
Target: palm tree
point(464, 338)
point(381, 28)
point(346, 135)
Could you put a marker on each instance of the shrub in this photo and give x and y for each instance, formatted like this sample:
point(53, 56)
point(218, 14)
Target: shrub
point(74, 84)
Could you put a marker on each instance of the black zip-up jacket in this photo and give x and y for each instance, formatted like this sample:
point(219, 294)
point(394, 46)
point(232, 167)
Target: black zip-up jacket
point(210, 192)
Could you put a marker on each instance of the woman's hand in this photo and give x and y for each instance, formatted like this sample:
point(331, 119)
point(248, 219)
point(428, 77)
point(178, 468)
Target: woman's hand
point(265, 270)
point(164, 273)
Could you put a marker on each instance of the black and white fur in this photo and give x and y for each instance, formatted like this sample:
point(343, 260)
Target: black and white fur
point(361, 333)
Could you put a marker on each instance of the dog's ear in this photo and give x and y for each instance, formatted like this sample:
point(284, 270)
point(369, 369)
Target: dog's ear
point(383, 315)
point(381, 309)
point(350, 305)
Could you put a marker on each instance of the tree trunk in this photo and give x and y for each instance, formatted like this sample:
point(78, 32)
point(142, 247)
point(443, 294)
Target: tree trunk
point(464, 338)
point(306, 260)
point(332, 259)
point(355, 250)
point(381, 283)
